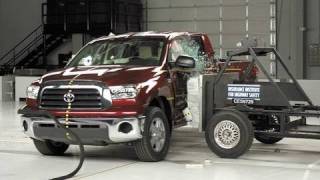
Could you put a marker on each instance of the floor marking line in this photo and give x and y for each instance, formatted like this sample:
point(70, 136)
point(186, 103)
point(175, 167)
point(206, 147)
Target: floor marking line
point(103, 171)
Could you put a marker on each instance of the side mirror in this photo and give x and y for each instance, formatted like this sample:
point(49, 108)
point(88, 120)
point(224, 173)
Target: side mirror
point(185, 62)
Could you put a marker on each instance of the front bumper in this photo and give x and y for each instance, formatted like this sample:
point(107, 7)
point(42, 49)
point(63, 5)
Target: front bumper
point(92, 131)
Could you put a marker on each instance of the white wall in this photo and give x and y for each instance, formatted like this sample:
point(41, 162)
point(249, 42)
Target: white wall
point(1, 91)
point(311, 87)
point(6, 88)
point(77, 42)
point(21, 84)
point(17, 19)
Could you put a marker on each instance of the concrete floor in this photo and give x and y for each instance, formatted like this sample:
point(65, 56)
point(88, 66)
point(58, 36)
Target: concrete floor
point(188, 158)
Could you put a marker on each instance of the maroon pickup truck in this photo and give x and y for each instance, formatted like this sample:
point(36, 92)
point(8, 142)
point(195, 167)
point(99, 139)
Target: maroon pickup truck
point(128, 88)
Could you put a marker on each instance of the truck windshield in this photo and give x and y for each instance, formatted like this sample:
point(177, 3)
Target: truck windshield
point(128, 51)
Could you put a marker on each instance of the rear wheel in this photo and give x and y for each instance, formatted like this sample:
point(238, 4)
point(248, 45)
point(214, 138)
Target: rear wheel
point(229, 134)
point(154, 144)
point(50, 148)
point(267, 139)
point(273, 125)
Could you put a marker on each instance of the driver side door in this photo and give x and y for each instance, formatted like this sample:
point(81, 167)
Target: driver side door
point(182, 46)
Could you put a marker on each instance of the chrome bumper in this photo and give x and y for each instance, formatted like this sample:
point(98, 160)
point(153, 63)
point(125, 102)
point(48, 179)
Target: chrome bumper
point(92, 131)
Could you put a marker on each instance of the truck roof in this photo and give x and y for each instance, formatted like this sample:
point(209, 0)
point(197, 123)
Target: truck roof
point(169, 35)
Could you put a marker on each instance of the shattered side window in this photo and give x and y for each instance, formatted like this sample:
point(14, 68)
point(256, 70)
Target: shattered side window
point(188, 46)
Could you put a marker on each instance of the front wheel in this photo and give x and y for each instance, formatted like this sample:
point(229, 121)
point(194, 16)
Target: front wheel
point(50, 148)
point(154, 144)
point(229, 134)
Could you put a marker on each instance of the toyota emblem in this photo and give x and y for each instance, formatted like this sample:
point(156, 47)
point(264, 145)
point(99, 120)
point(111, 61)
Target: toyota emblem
point(68, 97)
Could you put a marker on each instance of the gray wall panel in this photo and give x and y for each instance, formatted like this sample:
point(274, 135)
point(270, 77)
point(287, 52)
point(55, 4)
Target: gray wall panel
point(312, 36)
point(178, 14)
point(290, 36)
point(182, 26)
point(159, 14)
point(183, 3)
point(226, 19)
point(207, 2)
point(208, 26)
point(234, 12)
point(230, 41)
point(158, 26)
point(207, 13)
point(234, 2)
point(157, 3)
point(257, 27)
point(171, 26)
point(215, 41)
point(234, 27)
point(259, 11)
point(259, 1)
point(263, 39)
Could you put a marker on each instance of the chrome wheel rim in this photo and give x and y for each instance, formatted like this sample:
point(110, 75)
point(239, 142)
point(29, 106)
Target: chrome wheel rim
point(227, 134)
point(157, 134)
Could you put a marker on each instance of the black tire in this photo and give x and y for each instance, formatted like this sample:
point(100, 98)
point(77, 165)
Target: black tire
point(143, 147)
point(265, 139)
point(242, 142)
point(50, 148)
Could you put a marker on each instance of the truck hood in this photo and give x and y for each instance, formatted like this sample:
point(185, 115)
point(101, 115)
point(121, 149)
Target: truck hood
point(110, 75)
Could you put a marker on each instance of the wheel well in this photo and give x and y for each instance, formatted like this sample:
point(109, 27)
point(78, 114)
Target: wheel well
point(164, 104)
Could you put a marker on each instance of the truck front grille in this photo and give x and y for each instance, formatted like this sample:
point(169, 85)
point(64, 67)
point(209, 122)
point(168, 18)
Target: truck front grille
point(53, 98)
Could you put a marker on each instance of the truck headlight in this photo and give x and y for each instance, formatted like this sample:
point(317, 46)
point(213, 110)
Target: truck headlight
point(32, 92)
point(123, 92)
